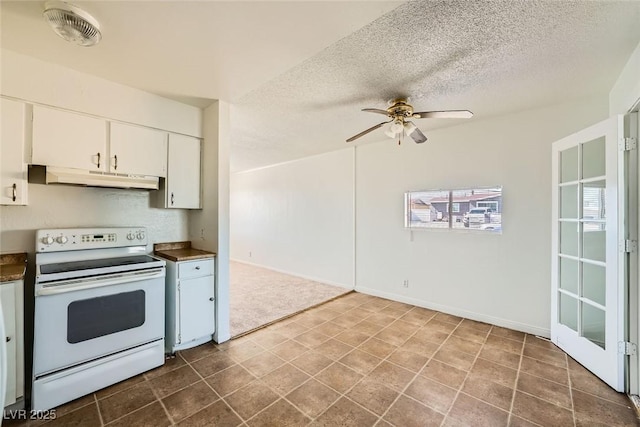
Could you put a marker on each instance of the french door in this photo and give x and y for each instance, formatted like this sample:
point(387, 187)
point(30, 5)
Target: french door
point(588, 280)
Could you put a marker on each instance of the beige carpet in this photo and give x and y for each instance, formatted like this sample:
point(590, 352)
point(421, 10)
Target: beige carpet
point(259, 296)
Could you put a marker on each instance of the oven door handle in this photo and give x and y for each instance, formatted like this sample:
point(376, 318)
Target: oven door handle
point(99, 283)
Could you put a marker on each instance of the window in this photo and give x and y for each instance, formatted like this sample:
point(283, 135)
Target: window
point(470, 209)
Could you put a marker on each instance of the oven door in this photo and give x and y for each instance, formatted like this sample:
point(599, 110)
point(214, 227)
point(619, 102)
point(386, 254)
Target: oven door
point(79, 322)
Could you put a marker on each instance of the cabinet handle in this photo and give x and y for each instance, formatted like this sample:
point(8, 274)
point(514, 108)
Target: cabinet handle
point(211, 299)
point(197, 267)
point(98, 160)
point(115, 166)
point(8, 339)
point(171, 199)
point(15, 191)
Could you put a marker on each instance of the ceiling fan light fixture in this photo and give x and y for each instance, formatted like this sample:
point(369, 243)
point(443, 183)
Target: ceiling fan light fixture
point(72, 23)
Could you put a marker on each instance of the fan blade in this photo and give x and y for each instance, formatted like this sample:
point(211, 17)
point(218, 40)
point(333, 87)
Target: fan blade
point(417, 135)
point(371, 129)
point(450, 114)
point(375, 110)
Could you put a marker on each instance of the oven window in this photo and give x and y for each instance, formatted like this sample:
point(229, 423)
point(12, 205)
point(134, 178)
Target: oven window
point(97, 317)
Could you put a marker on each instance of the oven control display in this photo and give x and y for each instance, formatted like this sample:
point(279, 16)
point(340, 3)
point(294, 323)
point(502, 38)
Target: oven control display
point(90, 238)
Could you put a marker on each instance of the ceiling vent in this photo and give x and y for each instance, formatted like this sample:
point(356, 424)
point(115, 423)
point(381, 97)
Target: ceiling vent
point(72, 23)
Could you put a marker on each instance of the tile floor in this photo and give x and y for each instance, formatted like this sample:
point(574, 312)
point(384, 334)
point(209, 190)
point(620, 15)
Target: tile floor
point(362, 361)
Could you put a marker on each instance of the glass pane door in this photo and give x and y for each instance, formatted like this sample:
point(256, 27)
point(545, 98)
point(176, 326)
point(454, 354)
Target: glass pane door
point(586, 291)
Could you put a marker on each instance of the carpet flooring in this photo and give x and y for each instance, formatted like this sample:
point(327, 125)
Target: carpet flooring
point(259, 296)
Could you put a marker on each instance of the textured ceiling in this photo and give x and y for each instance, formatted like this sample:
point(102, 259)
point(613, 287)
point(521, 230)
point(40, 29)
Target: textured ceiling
point(298, 72)
point(489, 57)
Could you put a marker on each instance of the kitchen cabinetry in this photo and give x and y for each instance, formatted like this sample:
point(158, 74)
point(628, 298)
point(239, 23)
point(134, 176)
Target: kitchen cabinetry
point(11, 298)
point(190, 303)
point(67, 139)
point(13, 172)
point(137, 150)
point(181, 189)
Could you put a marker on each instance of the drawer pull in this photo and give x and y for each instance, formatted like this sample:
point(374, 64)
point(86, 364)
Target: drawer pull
point(8, 339)
point(15, 192)
point(197, 267)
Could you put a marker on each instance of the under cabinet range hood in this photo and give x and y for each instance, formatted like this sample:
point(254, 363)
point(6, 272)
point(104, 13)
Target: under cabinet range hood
point(55, 175)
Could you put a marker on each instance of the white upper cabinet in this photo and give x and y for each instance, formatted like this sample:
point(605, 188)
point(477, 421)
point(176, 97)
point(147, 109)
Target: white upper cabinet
point(68, 139)
point(138, 150)
point(182, 187)
point(13, 175)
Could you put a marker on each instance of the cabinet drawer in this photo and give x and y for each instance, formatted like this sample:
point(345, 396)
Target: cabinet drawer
point(198, 268)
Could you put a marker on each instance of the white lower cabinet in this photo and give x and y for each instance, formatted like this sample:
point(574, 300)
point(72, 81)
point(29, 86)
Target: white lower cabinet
point(11, 298)
point(190, 303)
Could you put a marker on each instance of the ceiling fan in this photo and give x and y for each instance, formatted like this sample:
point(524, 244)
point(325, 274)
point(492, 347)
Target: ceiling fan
point(399, 112)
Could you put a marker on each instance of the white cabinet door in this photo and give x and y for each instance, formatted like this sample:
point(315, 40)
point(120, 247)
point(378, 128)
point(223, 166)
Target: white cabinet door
point(8, 301)
point(196, 308)
point(13, 175)
point(183, 177)
point(68, 139)
point(138, 150)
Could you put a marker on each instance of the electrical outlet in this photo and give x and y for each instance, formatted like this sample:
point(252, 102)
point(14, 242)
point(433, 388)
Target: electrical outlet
point(249, 254)
point(405, 283)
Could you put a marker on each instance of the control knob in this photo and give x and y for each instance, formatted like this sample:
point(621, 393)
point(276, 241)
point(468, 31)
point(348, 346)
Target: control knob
point(130, 236)
point(140, 235)
point(62, 239)
point(47, 240)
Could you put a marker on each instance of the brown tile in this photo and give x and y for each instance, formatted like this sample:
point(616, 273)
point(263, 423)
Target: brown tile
point(244, 351)
point(540, 412)
point(367, 328)
point(285, 378)
point(360, 361)
point(591, 410)
point(311, 362)
point(444, 317)
point(493, 372)
point(550, 391)
point(392, 336)
point(408, 359)
point(419, 346)
point(251, 399)
point(373, 395)
point(587, 382)
point(174, 381)
point(292, 329)
point(470, 334)
point(541, 342)
point(544, 370)
point(544, 355)
point(494, 393)
point(408, 413)
point(215, 363)
point(170, 363)
point(229, 380)
point(346, 413)
point(431, 334)
point(289, 350)
point(311, 338)
point(506, 358)
point(198, 352)
point(339, 377)
point(329, 329)
point(347, 320)
point(393, 312)
point(312, 397)
point(150, 416)
point(377, 347)
point(440, 325)
point(504, 344)
point(122, 385)
point(189, 400)
point(381, 319)
point(281, 414)
point(352, 338)
point(418, 316)
point(480, 326)
point(262, 364)
point(269, 339)
point(431, 393)
point(520, 422)
point(74, 404)
point(405, 328)
point(462, 345)
point(477, 413)
point(392, 375)
point(85, 416)
point(310, 321)
point(455, 358)
point(333, 349)
point(217, 414)
point(507, 333)
point(121, 403)
point(444, 374)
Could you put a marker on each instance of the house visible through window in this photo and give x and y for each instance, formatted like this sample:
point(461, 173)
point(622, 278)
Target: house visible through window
point(475, 209)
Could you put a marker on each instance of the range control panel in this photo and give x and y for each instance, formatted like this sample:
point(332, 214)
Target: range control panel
point(72, 239)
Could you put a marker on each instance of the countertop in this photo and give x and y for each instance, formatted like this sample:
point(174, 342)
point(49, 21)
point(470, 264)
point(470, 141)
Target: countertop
point(180, 251)
point(12, 267)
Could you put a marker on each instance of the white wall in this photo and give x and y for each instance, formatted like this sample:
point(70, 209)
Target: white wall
point(297, 217)
point(626, 91)
point(503, 279)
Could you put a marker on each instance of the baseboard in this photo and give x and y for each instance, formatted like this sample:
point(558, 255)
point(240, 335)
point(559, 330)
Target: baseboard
point(480, 317)
point(315, 279)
